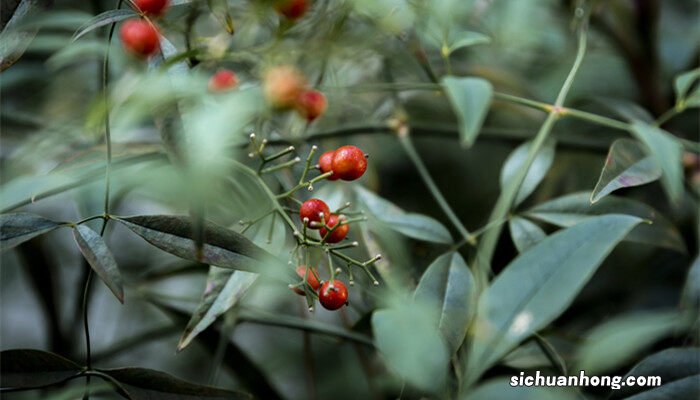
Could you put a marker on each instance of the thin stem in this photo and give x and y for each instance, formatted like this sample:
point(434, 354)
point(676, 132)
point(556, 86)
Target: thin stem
point(670, 113)
point(407, 144)
point(505, 200)
point(86, 327)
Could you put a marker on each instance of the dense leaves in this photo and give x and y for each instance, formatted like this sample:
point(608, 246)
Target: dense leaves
point(540, 284)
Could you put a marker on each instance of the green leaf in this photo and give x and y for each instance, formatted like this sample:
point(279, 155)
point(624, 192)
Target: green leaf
point(668, 153)
point(145, 383)
point(693, 100)
point(415, 226)
point(684, 81)
point(408, 338)
point(525, 233)
point(447, 287)
point(99, 257)
point(224, 288)
point(691, 290)
point(470, 99)
point(105, 18)
point(502, 389)
point(678, 369)
point(539, 285)
point(627, 165)
point(223, 247)
point(617, 341)
point(468, 38)
point(515, 162)
point(17, 228)
point(27, 368)
point(571, 209)
point(14, 38)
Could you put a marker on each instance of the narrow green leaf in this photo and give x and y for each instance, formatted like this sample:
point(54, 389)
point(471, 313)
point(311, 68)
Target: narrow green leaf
point(103, 19)
point(408, 338)
point(693, 100)
point(617, 341)
point(14, 38)
point(27, 368)
point(413, 225)
point(516, 161)
point(17, 228)
point(525, 233)
point(223, 247)
point(447, 287)
point(668, 153)
point(145, 383)
point(684, 81)
point(224, 288)
point(539, 285)
point(99, 257)
point(468, 38)
point(470, 99)
point(571, 209)
point(678, 369)
point(628, 164)
point(502, 389)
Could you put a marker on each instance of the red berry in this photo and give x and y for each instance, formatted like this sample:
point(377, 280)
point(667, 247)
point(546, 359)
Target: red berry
point(312, 209)
point(311, 280)
point(349, 163)
point(325, 163)
point(223, 80)
point(282, 86)
point(338, 233)
point(292, 9)
point(311, 104)
point(140, 37)
point(333, 295)
point(152, 7)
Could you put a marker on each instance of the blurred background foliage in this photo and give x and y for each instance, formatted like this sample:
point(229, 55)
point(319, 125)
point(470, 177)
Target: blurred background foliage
point(51, 118)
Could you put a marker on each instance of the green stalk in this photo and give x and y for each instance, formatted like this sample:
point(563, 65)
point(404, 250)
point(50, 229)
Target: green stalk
point(505, 201)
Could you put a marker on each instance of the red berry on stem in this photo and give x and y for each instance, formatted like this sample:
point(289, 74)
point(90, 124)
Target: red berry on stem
point(349, 163)
point(325, 163)
point(333, 295)
point(338, 233)
point(140, 37)
point(312, 209)
point(152, 7)
point(223, 80)
point(292, 9)
point(282, 86)
point(311, 104)
point(311, 280)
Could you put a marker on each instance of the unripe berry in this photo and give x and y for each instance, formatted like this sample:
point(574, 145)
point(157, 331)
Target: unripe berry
point(333, 295)
point(282, 86)
point(349, 163)
point(338, 233)
point(223, 80)
point(311, 280)
point(325, 164)
point(313, 209)
point(140, 37)
point(152, 7)
point(292, 9)
point(311, 104)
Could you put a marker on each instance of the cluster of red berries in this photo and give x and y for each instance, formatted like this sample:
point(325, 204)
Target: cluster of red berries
point(286, 88)
point(140, 36)
point(331, 294)
point(346, 163)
